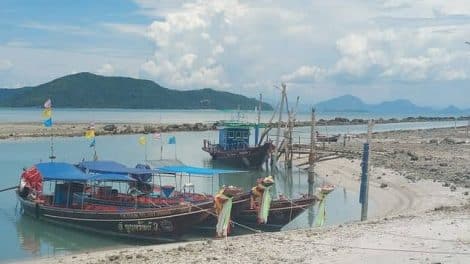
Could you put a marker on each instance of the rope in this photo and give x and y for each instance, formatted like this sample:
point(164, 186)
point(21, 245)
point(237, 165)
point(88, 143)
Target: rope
point(421, 237)
point(231, 221)
point(382, 249)
point(9, 188)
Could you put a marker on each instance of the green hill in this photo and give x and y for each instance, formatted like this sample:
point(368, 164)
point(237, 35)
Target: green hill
point(87, 90)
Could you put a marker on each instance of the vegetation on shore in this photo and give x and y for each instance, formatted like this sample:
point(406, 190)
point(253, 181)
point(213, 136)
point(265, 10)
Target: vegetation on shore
point(87, 90)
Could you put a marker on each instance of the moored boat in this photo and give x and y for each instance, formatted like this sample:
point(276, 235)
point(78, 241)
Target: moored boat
point(234, 149)
point(60, 206)
point(281, 212)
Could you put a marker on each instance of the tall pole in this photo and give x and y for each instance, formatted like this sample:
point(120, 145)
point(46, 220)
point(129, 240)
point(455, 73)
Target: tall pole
point(260, 104)
point(257, 141)
point(278, 133)
point(52, 157)
point(466, 129)
point(311, 157)
point(364, 191)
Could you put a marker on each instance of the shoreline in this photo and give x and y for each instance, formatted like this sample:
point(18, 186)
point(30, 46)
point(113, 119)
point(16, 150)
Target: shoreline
point(15, 130)
point(418, 218)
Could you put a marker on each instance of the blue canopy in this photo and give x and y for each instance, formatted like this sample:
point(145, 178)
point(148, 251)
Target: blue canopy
point(111, 177)
point(107, 166)
point(193, 170)
point(52, 171)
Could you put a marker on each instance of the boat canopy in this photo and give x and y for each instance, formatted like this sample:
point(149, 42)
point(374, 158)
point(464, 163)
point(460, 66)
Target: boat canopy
point(61, 171)
point(112, 177)
point(194, 170)
point(107, 166)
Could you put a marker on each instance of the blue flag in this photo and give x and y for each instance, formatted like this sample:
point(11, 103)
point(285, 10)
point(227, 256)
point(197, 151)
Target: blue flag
point(172, 140)
point(93, 143)
point(48, 122)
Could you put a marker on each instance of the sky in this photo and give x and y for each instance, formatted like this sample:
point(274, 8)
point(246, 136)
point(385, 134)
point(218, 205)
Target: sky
point(376, 50)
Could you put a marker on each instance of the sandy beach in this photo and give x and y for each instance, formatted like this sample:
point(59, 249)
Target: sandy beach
point(419, 219)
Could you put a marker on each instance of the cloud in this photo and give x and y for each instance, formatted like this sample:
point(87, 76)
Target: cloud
point(132, 29)
point(305, 74)
point(106, 69)
point(5, 65)
point(60, 28)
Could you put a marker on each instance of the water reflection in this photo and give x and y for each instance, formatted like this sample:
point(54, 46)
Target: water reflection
point(43, 239)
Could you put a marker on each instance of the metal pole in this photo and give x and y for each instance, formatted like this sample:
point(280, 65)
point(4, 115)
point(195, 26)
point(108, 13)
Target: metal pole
point(364, 191)
point(311, 157)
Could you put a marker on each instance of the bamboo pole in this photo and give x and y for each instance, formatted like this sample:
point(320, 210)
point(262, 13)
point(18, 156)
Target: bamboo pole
point(311, 157)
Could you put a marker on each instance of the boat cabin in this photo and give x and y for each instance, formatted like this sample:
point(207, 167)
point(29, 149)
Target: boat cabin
point(231, 138)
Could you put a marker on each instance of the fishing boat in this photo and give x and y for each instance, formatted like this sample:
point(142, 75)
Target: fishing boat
point(234, 149)
point(278, 213)
point(60, 205)
point(326, 138)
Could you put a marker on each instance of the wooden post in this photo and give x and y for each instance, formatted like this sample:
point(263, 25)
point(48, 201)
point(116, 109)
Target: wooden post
point(289, 149)
point(466, 129)
point(364, 190)
point(311, 157)
point(298, 148)
point(278, 133)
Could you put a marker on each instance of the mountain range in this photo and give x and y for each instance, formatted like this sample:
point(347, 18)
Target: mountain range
point(349, 103)
point(87, 90)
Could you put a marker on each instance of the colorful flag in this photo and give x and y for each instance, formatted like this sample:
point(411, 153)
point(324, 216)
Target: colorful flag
point(172, 140)
point(156, 136)
point(142, 140)
point(90, 133)
point(47, 113)
point(48, 103)
point(93, 143)
point(48, 122)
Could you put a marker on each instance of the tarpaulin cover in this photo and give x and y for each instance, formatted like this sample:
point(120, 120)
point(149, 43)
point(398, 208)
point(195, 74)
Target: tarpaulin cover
point(51, 171)
point(194, 170)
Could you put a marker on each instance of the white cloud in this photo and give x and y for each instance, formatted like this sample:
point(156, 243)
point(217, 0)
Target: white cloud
point(305, 74)
point(133, 29)
point(5, 65)
point(60, 28)
point(106, 69)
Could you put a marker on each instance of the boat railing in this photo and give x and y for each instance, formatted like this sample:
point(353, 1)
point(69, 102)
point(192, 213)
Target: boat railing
point(208, 145)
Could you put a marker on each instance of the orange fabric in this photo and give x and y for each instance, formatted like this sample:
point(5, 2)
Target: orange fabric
point(33, 179)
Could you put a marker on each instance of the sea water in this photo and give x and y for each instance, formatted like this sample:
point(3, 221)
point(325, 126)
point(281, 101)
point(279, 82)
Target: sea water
point(22, 237)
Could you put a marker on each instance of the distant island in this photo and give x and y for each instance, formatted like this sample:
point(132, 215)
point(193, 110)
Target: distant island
point(349, 103)
point(87, 90)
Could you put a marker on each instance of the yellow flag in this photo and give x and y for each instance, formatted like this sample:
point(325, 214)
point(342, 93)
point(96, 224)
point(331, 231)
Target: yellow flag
point(47, 113)
point(90, 133)
point(142, 140)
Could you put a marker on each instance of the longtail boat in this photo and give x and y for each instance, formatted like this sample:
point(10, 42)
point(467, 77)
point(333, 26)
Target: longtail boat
point(281, 212)
point(62, 206)
point(234, 149)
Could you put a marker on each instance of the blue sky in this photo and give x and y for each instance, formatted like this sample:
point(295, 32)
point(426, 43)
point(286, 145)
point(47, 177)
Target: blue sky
point(377, 50)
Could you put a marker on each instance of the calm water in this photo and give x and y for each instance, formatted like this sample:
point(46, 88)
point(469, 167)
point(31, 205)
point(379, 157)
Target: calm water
point(24, 238)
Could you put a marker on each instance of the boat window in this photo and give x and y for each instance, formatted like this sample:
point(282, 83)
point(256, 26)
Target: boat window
point(238, 134)
point(245, 134)
point(230, 134)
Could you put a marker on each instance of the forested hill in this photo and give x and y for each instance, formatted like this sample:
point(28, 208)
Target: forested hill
point(87, 90)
